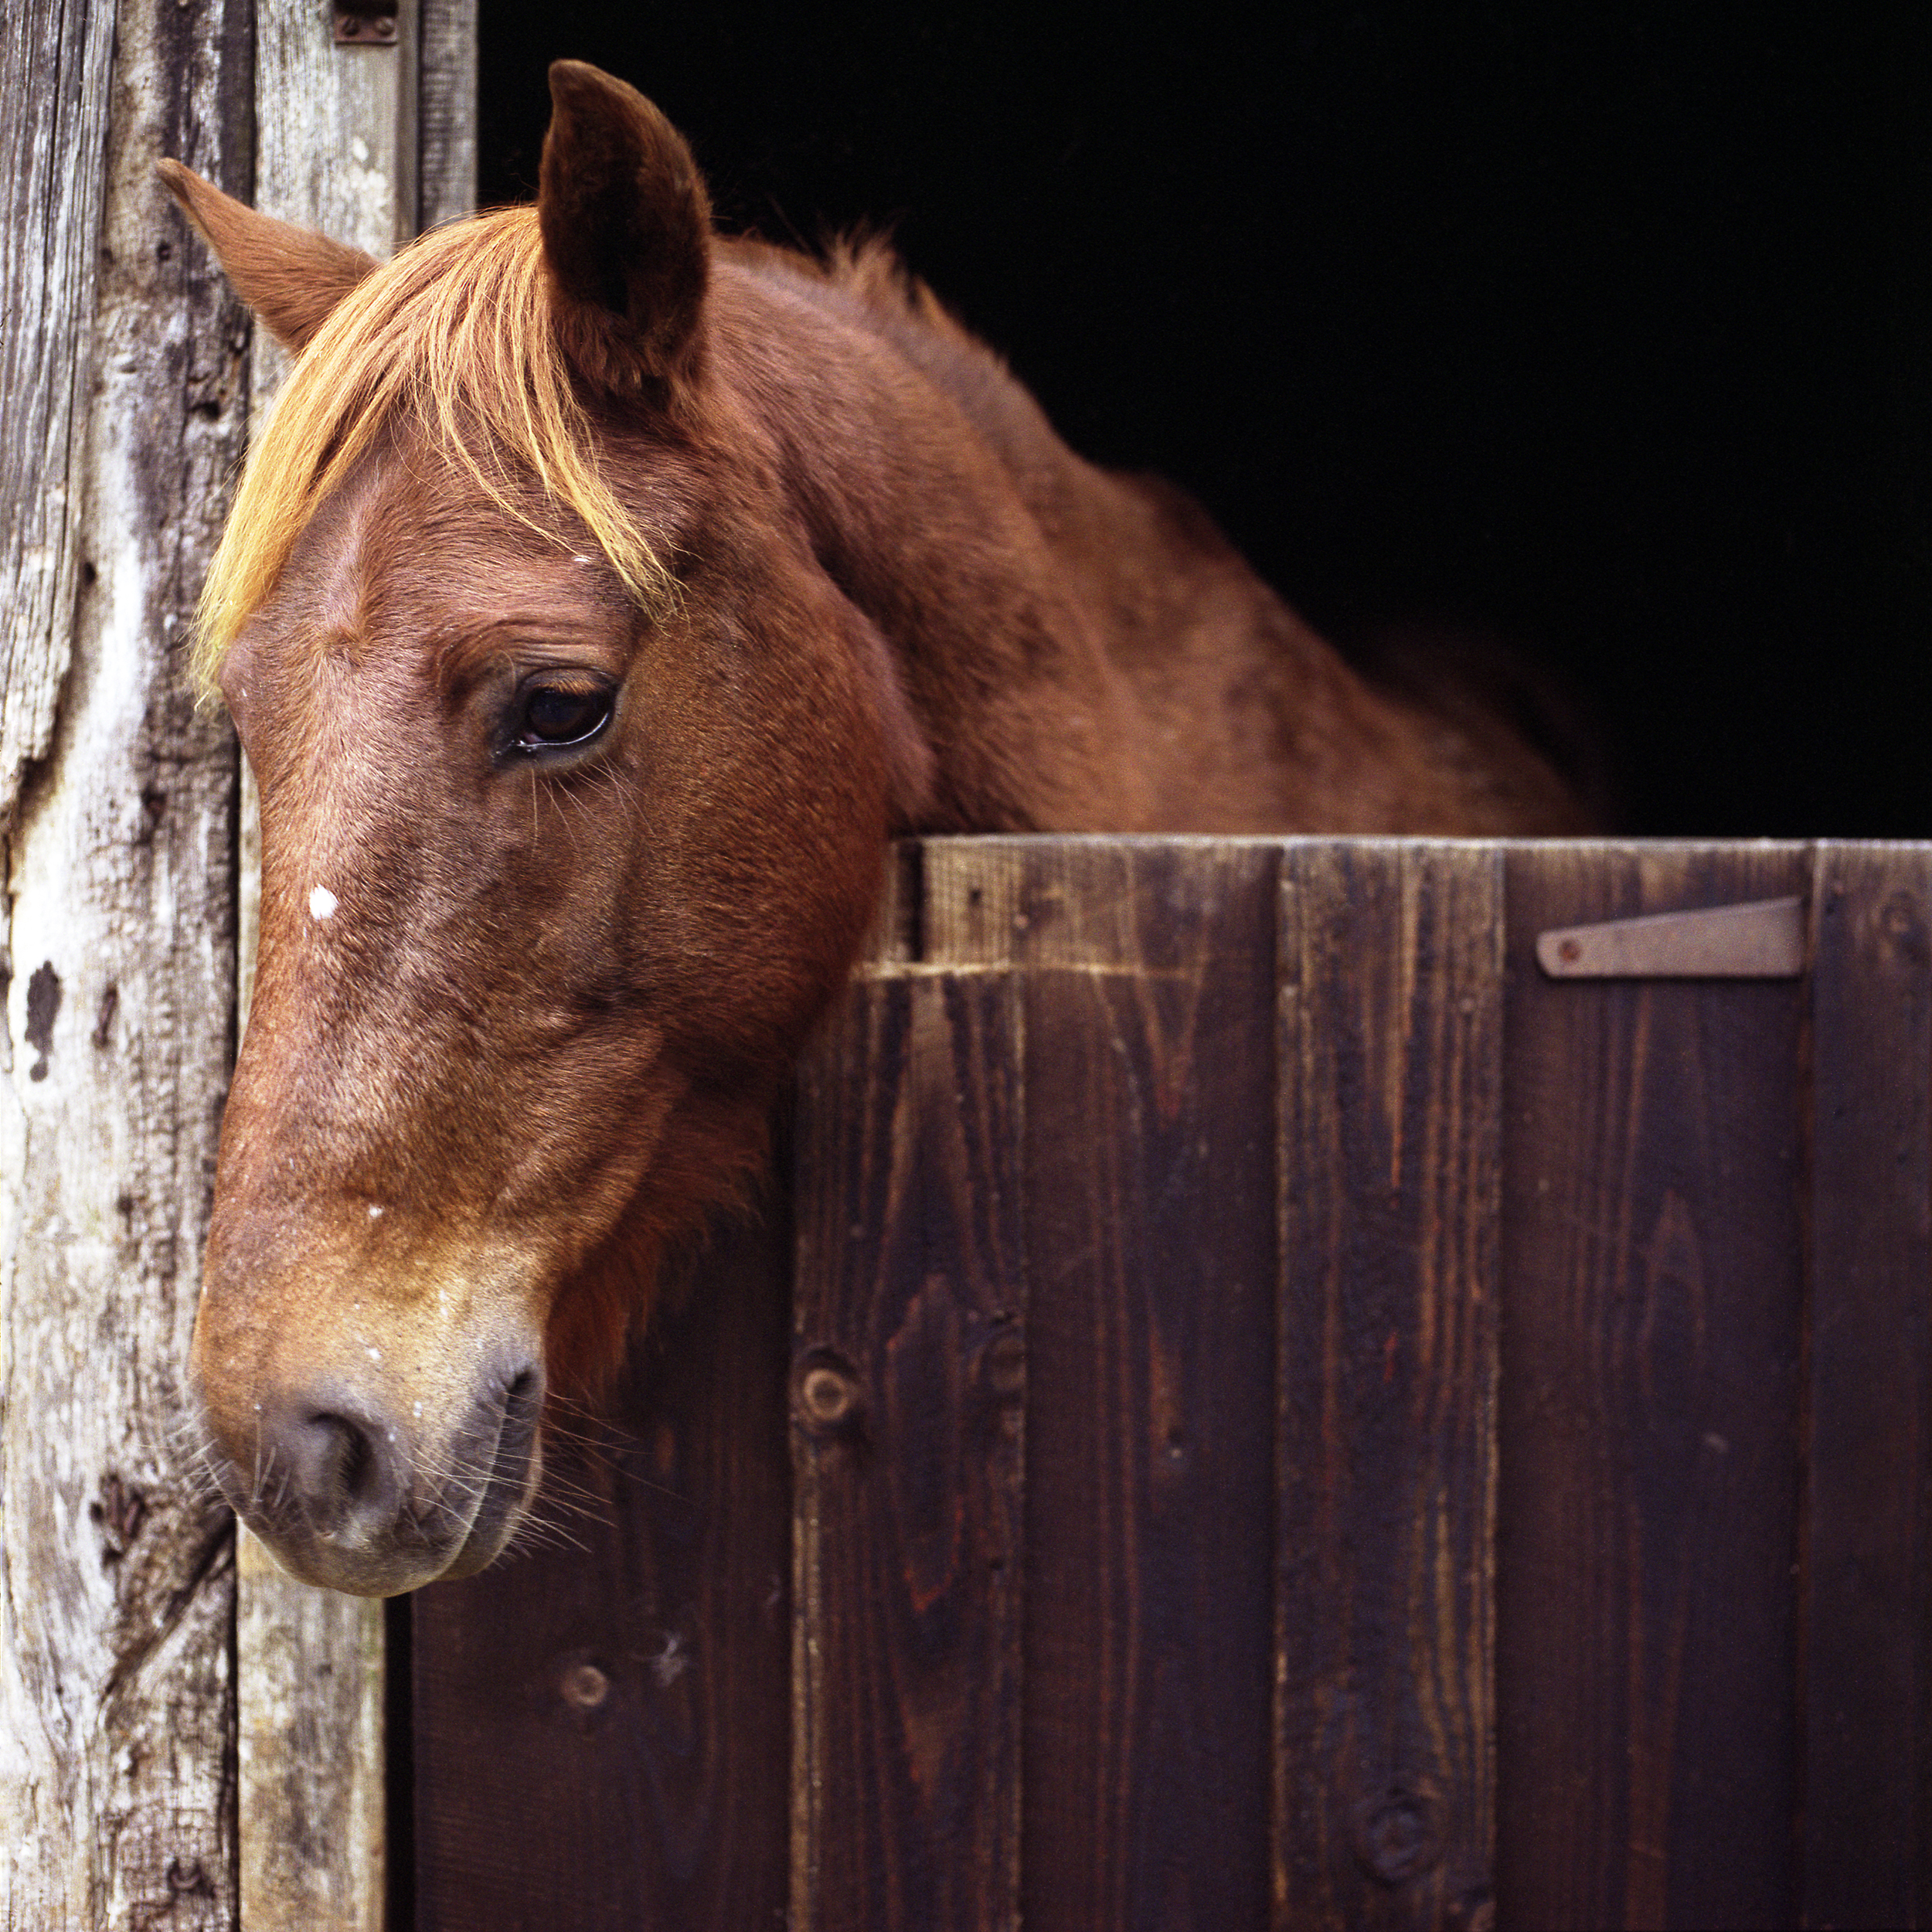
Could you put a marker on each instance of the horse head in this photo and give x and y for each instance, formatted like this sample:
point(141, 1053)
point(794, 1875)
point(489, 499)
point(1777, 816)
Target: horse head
point(575, 769)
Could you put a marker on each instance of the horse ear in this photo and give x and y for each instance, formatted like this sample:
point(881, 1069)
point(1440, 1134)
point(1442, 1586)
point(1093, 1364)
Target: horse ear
point(291, 277)
point(627, 232)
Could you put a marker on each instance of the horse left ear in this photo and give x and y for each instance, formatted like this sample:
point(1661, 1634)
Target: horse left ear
point(627, 232)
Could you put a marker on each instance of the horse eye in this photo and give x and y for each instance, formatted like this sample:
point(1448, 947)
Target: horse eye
point(556, 714)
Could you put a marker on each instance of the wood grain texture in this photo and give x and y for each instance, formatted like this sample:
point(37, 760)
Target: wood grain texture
point(1648, 1507)
point(1391, 1098)
point(1867, 1810)
point(908, 1382)
point(56, 60)
point(601, 1720)
point(116, 1569)
point(337, 151)
point(446, 113)
point(310, 1760)
point(1151, 1251)
point(337, 146)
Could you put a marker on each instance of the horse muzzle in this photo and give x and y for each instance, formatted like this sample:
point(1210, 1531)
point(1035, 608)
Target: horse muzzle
point(351, 1490)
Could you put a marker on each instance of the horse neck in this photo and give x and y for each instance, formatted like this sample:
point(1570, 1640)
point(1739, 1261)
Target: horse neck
point(1080, 651)
point(938, 500)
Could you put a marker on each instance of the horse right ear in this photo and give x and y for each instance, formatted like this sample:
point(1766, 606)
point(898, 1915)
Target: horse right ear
point(627, 232)
point(291, 277)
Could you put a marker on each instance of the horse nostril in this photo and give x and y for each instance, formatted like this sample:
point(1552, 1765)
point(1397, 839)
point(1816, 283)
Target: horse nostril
point(523, 1397)
point(343, 1461)
point(344, 1468)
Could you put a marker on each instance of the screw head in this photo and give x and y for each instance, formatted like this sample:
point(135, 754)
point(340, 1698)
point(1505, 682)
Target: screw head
point(829, 1397)
point(585, 1686)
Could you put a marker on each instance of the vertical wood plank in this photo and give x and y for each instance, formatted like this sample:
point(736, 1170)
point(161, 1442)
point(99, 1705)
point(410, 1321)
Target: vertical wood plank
point(116, 1566)
point(1868, 1576)
point(1391, 1070)
point(56, 59)
point(309, 1756)
point(337, 151)
point(1152, 1254)
point(337, 140)
point(1649, 1502)
point(908, 1381)
point(445, 115)
point(600, 1720)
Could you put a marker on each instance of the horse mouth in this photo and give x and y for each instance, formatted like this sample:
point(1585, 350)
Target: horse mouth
point(348, 1508)
point(516, 1466)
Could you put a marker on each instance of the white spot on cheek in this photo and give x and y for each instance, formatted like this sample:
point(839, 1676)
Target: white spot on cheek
point(322, 903)
point(374, 1214)
point(376, 1354)
point(419, 1412)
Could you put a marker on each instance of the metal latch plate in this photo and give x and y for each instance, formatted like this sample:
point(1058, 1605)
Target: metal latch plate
point(365, 23)
point(1762, 940)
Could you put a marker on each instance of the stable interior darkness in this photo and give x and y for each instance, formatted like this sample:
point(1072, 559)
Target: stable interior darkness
point(1604, 331)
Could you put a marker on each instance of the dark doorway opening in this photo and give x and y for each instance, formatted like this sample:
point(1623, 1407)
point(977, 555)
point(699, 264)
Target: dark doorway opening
point(1606, 332)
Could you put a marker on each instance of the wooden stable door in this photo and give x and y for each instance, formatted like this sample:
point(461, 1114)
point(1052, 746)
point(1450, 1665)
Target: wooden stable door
point(1254, 1404)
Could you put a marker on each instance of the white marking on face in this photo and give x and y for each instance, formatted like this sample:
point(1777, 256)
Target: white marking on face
point(374, 1214)
point(376, 1354)
point(322, 903)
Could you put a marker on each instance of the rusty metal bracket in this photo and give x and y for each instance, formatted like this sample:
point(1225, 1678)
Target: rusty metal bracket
point(1762, 940)
point(365, 23)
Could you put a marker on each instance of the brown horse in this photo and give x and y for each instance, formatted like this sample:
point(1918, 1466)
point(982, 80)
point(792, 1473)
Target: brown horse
point(601, 597)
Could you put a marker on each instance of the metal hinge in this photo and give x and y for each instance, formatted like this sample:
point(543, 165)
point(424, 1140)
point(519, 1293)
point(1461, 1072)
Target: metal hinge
point(1762, 940)
point(365, 23)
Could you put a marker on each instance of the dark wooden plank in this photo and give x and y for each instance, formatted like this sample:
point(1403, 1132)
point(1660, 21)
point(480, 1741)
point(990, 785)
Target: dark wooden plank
point(601, 1731)
point(1391, 1068)
point(1648, 1501)
point(1867, 1591)
point(1152, 1251)
point(908, 1386)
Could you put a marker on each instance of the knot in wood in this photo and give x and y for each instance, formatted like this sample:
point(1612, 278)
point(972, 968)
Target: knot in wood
point(1004, 1364)
point(1400, 1838)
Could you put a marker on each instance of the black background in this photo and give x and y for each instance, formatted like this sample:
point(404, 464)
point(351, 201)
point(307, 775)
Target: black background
point(1607, 329)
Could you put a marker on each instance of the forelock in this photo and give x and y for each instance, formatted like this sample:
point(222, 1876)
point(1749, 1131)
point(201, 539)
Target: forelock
point(455, 335)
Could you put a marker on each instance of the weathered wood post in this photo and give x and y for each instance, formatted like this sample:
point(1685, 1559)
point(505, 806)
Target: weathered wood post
point(126, 368)
point(336, 150)
point(126, 386)
point(368, 137)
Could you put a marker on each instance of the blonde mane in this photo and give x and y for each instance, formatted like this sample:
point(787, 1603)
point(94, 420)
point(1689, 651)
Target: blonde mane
point(454, 334)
